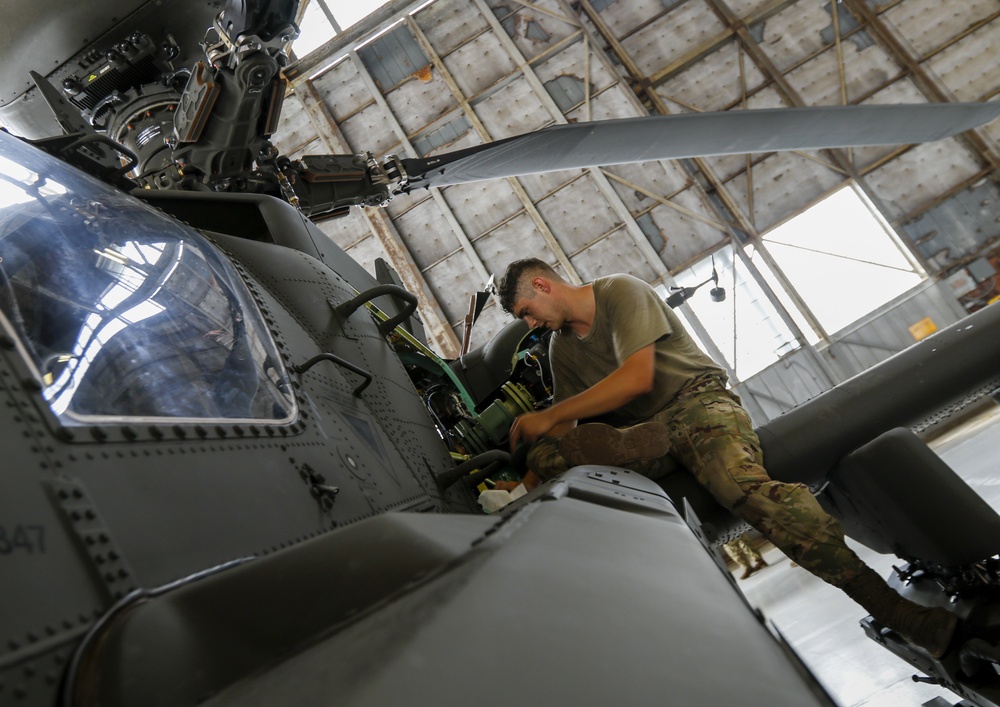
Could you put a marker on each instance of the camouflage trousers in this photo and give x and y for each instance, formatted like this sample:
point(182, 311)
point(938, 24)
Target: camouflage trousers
point(712, 436)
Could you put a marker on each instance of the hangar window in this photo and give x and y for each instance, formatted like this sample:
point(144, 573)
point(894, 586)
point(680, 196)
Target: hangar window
point(322, 20)
point(842, 258)
point(745, 327)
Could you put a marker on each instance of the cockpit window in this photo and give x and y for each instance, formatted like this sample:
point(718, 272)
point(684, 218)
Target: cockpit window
point(123, 312)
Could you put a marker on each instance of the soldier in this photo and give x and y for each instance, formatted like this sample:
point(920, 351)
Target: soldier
point(743, 554)
point(618, 352)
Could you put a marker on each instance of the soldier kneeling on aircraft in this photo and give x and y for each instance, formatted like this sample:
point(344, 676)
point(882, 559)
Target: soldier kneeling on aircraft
point(619, 352)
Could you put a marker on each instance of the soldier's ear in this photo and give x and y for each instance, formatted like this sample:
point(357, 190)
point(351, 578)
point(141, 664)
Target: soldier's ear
point(541, 284)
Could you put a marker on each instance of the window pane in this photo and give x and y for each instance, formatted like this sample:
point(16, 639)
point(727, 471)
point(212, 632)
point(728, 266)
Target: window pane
point(745, 326)
point(348, 13)
point(314, 30)
point(122, 313)
point(841, 259)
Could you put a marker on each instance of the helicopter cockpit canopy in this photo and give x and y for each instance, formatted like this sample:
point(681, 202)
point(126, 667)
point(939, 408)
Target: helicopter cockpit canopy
point(122, 313)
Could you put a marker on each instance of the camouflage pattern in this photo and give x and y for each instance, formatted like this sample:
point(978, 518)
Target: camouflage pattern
point(743, 554)
point(712, 436)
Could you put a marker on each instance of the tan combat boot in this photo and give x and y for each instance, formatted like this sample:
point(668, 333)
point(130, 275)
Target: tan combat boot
point(930, 628)
point(597, 443)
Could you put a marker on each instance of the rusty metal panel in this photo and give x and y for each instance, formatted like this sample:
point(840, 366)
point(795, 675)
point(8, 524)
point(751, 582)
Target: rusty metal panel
point(449, 23)
point(616, 253)
point(481, 206)
point(578, 214)
point(427, 233)
point(926, 24)
point(918, 175)
point(958, 228)
point(421, 100)
point(796, 32)
point(713, 83)
point(683, 238)
point(393, 57)
point(533, 31)
point(676, 34)
point(515, 239)
point(573, 61)
point(479, 64)
point(969, 67)
point(342, 90)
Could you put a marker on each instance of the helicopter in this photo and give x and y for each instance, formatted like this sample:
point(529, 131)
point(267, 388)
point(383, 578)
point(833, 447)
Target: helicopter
point(237, 474)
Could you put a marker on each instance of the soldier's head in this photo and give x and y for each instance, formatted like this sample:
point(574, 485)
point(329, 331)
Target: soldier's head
point(529, 290)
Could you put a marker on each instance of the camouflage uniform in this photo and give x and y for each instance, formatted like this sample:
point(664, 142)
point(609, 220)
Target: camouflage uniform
point(712, 436)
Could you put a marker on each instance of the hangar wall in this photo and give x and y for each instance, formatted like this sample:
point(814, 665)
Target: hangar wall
point(438, 76)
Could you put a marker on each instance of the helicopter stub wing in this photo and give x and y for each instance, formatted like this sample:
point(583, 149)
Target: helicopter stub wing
point(689, 135)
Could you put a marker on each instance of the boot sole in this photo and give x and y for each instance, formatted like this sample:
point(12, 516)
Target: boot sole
point(597, 443)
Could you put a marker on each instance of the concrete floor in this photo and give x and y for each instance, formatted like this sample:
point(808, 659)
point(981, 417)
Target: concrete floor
point(821, 623)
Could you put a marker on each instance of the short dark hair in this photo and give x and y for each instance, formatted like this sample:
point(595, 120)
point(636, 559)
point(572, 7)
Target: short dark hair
point(510, 286)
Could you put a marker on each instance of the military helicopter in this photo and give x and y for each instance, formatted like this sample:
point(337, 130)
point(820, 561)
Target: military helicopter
point(236, 474)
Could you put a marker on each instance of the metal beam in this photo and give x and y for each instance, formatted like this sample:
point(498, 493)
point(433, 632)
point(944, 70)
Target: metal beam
point(382, 229)
point(529, 206)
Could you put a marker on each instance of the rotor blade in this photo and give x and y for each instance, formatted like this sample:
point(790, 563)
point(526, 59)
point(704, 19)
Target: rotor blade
point(664, 137)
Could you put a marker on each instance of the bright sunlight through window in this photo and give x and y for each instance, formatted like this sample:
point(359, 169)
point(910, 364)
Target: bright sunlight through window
point(842, 259)
point(745, 327)
point(316, 26)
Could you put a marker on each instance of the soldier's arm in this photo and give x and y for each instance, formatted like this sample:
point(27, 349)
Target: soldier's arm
point(630, 380)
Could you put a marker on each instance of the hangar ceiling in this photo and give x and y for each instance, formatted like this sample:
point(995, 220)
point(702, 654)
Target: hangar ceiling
point(423, 77)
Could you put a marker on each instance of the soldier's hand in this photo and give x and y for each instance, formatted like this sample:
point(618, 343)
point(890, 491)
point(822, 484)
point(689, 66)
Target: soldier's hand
point(529, 427)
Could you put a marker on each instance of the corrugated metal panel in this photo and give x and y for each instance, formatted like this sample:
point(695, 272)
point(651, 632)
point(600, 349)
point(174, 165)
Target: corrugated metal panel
point(959, 227)
point(793, 380)
point(449, 133)
point(876, 339)
point(393, 57)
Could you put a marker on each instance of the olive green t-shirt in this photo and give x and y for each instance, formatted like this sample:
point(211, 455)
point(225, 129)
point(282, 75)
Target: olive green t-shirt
point(629, 316)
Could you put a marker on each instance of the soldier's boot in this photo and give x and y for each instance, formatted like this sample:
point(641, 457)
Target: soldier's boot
point(597, 443)
point(930, 628)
